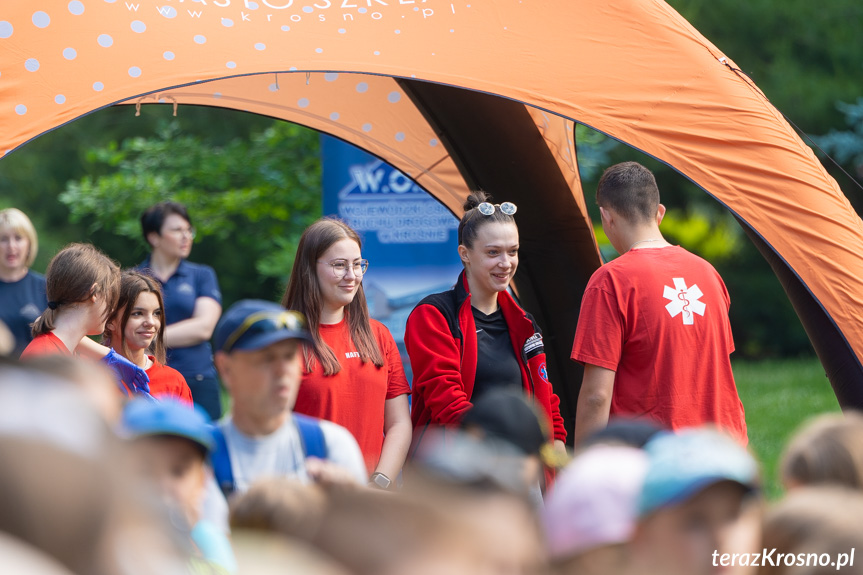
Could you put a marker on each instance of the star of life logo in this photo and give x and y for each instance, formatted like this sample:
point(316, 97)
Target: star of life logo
point(684, 300)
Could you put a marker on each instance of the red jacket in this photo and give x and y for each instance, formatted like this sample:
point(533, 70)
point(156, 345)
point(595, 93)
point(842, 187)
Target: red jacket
point(441, 341)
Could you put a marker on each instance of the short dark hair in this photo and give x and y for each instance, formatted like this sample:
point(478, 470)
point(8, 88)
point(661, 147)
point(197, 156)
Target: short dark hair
point(154, 217)
point(630, 190)
point(473, 219)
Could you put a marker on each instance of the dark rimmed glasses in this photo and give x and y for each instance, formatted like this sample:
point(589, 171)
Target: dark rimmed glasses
point(264, 322)
point(487, 208)
point(340, 267)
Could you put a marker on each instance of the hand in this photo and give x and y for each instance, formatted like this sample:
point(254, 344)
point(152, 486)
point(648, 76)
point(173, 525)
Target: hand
point(135, 377)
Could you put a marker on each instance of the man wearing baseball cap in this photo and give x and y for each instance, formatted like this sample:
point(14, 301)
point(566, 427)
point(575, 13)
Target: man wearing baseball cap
point(258, 353)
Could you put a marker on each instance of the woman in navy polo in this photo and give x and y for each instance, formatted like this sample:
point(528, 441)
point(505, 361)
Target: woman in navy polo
point(22, 291)
point(193, 302)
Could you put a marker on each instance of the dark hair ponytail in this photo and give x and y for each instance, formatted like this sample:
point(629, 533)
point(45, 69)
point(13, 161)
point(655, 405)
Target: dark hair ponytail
point(473, 219)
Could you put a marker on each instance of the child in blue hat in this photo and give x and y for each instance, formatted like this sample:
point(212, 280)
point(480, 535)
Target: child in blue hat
point(700, 508)
point(171, 443)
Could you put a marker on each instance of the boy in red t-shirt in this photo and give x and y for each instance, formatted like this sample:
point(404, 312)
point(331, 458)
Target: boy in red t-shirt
point(653, 331)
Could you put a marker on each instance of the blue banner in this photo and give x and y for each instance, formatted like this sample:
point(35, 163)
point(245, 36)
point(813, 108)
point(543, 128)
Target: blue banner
point(409, 238)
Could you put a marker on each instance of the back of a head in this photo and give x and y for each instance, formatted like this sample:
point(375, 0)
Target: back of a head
point(509, 416)
point(812, 521)
point(376, 533)
point(75, 274)
point(282, 506)
point(827, 450)
point(630, 190)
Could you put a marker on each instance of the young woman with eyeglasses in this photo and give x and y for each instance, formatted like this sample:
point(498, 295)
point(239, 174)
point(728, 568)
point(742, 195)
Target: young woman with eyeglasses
point(475, 337)
point(353, 374)
point(193, 302)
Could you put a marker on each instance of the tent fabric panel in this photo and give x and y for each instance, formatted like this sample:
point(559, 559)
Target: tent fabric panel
point(370, 112)
point(841, 364)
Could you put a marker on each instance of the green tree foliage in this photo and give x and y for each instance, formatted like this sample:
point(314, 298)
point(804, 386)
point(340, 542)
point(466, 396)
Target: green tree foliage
point(805, 56)
point(249, 199)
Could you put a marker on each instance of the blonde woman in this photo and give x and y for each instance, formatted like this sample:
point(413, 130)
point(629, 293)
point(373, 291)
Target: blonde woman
point(22, 291)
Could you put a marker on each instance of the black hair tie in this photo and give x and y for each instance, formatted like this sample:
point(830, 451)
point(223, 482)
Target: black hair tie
point(53, 304)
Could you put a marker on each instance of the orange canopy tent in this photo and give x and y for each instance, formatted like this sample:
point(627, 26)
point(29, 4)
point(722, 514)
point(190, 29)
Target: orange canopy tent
point(464, 94)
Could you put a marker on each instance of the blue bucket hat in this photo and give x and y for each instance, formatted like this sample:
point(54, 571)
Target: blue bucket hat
point(682, 464)
point(253, 324)
point(142, 418)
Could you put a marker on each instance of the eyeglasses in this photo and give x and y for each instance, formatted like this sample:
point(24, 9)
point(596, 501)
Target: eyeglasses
point(264, 322)
point(191, 232)
point(340, 267)
point(487, 209)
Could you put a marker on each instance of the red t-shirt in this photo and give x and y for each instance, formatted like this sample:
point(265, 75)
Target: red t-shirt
point(354, 397)
point(168, 382)
point(45, 344)
point(658, 317)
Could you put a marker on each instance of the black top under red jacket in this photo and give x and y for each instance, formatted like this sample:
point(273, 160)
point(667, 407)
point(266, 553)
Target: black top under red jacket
point(441, 341)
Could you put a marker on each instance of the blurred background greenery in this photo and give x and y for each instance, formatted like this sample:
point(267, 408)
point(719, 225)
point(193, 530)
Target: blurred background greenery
point(252, 184)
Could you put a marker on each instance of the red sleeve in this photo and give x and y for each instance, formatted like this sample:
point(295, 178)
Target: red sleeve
point(600, 331)
point(397, 383)
point(557, 419)
point(436, 364)
point(545, 394)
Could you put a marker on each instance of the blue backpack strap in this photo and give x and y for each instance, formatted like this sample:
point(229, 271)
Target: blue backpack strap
point(311, 435)
point(220, 459)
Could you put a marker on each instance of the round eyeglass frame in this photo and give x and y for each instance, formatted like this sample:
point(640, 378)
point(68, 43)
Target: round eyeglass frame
point(364, 267)
point(487, 208)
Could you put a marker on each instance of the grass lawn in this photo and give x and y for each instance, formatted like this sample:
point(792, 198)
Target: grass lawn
point(778, 396)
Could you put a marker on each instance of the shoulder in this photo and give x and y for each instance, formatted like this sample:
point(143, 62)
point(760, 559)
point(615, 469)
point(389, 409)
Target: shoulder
point(444, 302)
point(335, 434)
point(35, 277)
point(382, 332)
point(193, 268)
point(163, 371)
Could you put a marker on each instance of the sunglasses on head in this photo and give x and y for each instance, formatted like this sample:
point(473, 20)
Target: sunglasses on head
point(487, 208)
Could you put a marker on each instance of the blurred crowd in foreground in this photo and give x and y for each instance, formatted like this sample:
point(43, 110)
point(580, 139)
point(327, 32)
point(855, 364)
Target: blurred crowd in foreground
point(93, 486)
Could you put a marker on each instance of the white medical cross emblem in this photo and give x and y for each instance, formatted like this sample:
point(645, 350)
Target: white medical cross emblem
point(684, 299)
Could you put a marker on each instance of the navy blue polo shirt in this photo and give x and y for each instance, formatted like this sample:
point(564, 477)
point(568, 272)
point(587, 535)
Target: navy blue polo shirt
point(21, 303)
point(188, 283)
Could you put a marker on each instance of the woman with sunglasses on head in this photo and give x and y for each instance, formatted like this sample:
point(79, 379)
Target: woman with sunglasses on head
point(193, 302)
point(136, 330)
point(475, 337)
point(353, 374)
